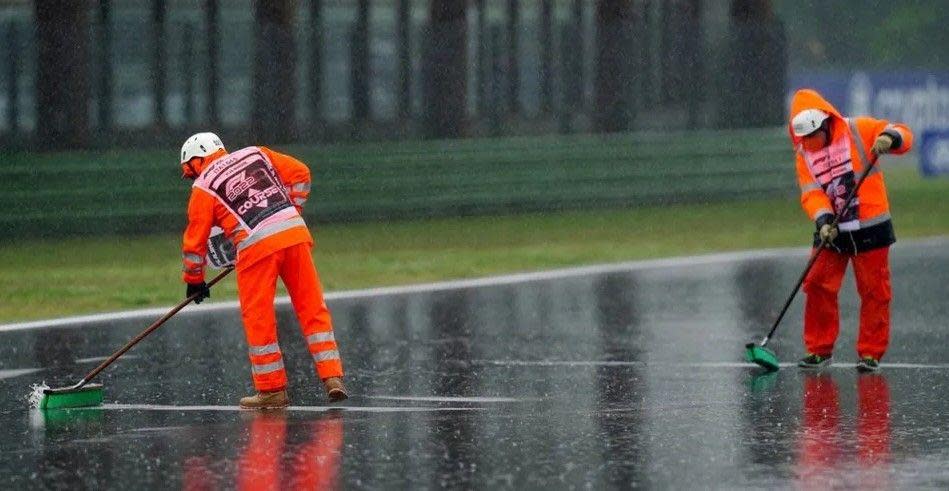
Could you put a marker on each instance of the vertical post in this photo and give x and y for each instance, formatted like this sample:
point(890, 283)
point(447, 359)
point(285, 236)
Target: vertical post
point(613, 47)
point(404, 29)
point(579, 67)
point(481, 48)
point(668, 52)
point(755, 67)
point(105, 66)
point(695, 66)
point(359, 66)
point(316, 63)
point(546, 57)
point(274, 111)
point(213, 78)
point(62, 84)
point(649, 55)
point(568, 78)
point(159, 9)
point(676, 40)
point(13, 76)
point(446, 69)
point(513, 57)
point(495, 79)
point(187, 59)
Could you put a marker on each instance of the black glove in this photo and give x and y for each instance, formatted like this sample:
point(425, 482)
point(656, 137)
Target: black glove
point(201, 289)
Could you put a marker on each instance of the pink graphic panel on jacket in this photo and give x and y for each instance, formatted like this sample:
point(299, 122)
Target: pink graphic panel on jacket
point(247, 184)
point(832, 168)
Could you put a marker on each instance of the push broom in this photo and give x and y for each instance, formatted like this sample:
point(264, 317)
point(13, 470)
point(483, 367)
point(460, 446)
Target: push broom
point(758, 352)
point(84, 394)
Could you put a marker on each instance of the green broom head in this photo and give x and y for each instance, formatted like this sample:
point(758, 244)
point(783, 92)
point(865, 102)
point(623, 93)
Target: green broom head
point(86, 396)
point(761, 356)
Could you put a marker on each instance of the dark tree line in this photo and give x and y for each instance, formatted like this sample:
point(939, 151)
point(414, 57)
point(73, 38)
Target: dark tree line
point(622, 65)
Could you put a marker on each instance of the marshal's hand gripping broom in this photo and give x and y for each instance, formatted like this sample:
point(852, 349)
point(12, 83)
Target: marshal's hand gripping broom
point(757, 352)
point(84, 394)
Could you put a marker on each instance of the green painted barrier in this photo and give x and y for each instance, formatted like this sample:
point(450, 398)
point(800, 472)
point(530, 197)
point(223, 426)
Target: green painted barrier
point(118, 193)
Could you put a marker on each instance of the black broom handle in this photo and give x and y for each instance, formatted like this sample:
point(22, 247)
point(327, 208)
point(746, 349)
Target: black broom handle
point(148, 331)
point(810, 264)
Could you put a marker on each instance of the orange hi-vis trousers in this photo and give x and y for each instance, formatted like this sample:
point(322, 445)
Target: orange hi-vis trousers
point(257, 286)
point(821, 314)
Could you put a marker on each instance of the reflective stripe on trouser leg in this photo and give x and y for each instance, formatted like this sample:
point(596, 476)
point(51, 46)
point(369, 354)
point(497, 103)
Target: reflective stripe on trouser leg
point(306, 293)
point(872, 272)
point(256, 287)
point(821, 314)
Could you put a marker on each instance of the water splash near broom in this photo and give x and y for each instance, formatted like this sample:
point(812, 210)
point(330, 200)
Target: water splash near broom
point(37, 394)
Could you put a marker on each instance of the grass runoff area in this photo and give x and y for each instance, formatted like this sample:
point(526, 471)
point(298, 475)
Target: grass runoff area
point(42, 279)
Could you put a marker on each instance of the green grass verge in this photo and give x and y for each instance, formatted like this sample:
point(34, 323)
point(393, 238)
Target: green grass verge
point(50, 278)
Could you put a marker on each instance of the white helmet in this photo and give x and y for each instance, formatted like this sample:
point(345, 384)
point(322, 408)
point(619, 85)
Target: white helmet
point(200, 145)
point(808, 121)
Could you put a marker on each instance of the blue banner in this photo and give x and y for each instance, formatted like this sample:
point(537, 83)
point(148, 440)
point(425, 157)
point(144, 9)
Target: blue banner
point(934, 153)
point(917, 99)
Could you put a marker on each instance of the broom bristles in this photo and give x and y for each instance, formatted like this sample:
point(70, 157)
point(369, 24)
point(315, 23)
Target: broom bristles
point(86, 396)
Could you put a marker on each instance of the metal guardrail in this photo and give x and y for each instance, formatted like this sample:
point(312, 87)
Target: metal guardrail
point(115, 193)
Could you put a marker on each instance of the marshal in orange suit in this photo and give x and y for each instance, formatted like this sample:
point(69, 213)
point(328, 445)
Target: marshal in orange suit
point(831, 151)
point(255, 195)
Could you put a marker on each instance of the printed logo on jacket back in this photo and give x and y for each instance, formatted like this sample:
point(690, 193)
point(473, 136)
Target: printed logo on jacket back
point(248, 185)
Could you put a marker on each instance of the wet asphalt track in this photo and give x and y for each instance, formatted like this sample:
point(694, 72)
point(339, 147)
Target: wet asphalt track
point(592, 380)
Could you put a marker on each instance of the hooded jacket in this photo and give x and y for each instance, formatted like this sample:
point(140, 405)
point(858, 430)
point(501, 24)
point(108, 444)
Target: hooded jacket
point(824, 180)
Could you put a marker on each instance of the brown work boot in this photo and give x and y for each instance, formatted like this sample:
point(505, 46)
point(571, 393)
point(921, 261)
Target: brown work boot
point(266, 400)
point(335, 389)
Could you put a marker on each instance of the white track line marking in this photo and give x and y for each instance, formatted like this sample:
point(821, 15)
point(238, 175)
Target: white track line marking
point(16, 372)
point(310, 409)
point(447, 399)
point(674, 262)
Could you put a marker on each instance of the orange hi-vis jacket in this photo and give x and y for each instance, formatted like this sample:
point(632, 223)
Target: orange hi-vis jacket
point(825, 177)
point(255, 195)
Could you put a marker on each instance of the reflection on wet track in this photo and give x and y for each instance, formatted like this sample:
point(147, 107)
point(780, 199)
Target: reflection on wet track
point(616, 377)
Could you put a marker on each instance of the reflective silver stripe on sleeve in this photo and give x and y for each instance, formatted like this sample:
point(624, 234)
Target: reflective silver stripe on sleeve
point(267, 367)
point(320, 337)
point(882, 217)
point(301, 187)
point(270, 230)
point(326, 355)
point(821, 212)
point(857, 141)
point(264, 350)
point(299, 201)
point(810, 187)
point(194, 258)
